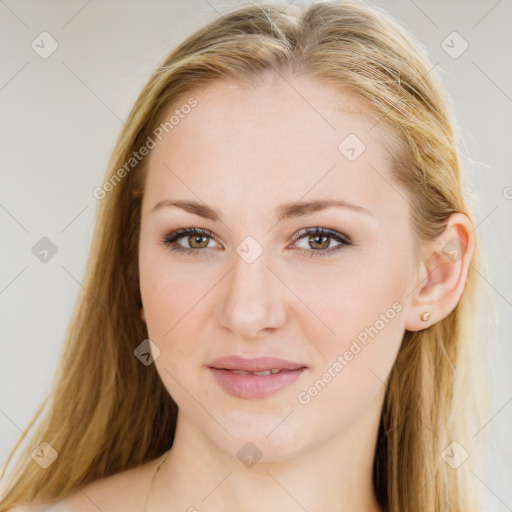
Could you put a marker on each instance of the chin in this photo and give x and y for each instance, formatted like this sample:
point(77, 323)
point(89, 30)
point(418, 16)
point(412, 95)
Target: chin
point(275, 435)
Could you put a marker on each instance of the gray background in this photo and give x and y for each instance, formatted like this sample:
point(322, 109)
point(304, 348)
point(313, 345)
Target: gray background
point(61, 116)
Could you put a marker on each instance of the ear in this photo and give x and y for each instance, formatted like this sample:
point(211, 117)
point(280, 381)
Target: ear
point(443, 273)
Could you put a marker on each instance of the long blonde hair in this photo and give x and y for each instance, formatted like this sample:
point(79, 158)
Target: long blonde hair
point(107, 412)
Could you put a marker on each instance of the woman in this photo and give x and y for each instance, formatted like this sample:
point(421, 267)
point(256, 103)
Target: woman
point(280, 289)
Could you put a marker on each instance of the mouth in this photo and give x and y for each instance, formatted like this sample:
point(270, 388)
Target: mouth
point(262, 372)
point(255, 365)
point(255, 378)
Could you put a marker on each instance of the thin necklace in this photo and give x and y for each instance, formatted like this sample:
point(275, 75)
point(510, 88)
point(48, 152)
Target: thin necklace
point(154, 475)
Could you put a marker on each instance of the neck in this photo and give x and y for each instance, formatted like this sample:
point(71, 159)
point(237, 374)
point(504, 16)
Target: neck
point(335, 476)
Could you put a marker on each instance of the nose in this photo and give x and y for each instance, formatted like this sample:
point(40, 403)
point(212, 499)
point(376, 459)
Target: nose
point(253, 299)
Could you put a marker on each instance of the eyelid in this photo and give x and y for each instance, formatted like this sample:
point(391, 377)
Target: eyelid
point(331, 233)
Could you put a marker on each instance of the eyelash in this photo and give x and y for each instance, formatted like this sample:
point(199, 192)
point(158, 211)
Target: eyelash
point(171, 239)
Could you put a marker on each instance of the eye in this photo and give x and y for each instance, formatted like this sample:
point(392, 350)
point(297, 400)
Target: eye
point(197, 238)
point(319, 239)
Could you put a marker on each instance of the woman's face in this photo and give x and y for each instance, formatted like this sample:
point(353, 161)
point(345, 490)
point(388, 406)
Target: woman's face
point(261, 283)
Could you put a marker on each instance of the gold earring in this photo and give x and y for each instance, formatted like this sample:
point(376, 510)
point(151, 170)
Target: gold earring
point(425, 316)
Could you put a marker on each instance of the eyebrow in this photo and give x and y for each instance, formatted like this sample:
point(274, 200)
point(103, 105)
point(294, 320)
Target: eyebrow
point(283, 212)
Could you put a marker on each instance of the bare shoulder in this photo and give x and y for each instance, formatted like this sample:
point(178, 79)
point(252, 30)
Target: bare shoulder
point(122, 491)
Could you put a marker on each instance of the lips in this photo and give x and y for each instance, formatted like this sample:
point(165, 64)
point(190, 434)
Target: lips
point(258, 364)
point(255, 378)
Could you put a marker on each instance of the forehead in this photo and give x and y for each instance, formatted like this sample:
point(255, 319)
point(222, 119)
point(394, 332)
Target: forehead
point(273, 143)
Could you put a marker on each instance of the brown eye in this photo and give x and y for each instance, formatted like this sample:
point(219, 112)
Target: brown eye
point(196, 239)
point(319, 240)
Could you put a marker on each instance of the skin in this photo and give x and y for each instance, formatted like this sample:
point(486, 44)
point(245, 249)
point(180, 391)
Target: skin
point(245, 153)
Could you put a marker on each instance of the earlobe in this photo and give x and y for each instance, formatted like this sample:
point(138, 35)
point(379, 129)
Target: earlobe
point(444, 274)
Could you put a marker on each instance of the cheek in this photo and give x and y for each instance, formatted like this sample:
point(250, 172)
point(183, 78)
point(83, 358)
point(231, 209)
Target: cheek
point(177, 302)
point(169, 298)
point(359, 309)
point(365, 288)
point(171, 302)
point(353, 365)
